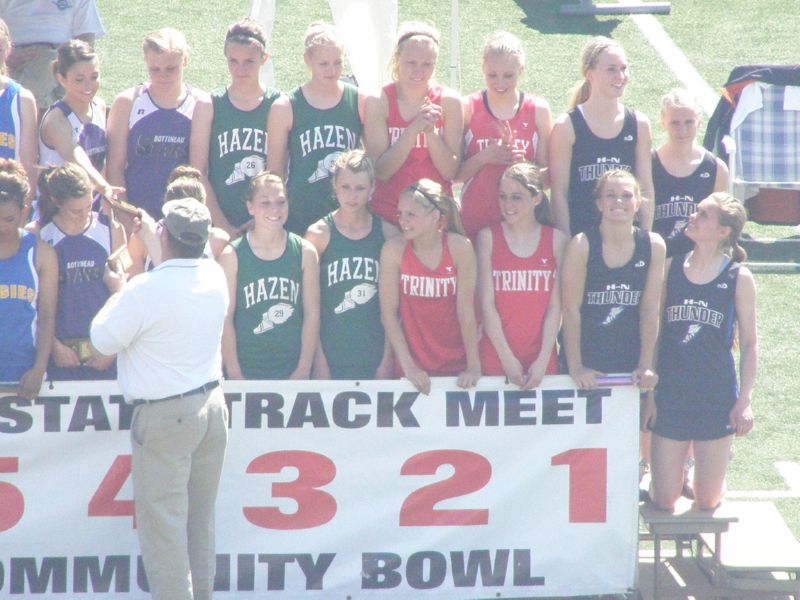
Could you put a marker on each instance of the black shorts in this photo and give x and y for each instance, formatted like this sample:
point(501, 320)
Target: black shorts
point(678, 426)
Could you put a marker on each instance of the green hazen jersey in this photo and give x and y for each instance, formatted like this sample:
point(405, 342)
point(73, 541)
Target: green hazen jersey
point(350, 330)
point(316, 140)
point(237, 152)
point(269, 310)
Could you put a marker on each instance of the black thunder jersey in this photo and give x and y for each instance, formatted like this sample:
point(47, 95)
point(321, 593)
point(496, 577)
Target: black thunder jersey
point(610, 340)
point(677, 198)
point(695, 363)
point(591, 157)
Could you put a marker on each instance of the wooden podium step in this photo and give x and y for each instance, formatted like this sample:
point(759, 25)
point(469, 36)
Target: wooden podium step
point(740, 550)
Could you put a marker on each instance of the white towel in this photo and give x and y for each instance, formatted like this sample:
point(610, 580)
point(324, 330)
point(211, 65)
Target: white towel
point(750, 100)
point(791, 98)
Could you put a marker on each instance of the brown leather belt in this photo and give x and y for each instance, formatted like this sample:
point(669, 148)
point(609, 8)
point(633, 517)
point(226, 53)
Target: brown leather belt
point(33, 44)
point(206, 387)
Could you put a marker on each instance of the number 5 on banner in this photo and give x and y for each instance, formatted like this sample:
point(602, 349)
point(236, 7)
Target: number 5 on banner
point(12, 502)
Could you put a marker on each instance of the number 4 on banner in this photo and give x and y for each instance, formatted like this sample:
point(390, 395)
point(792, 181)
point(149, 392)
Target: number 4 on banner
point(587, 483)
point(104, 503)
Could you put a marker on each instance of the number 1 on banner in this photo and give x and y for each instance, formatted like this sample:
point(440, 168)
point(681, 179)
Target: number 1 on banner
point(588, 481)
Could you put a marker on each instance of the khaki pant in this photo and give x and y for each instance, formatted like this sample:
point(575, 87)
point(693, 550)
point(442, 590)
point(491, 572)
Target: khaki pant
point(178, 450)
point(35, 73)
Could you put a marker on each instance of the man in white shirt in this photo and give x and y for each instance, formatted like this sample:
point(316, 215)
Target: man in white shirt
point(166, 328)
point(37, 28)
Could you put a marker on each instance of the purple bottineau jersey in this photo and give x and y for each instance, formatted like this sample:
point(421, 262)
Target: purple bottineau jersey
point(81, 261)
point(158, 141)
point(91, 136)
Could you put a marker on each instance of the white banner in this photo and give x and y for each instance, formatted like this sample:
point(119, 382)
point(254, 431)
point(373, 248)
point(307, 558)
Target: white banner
point(341, 490)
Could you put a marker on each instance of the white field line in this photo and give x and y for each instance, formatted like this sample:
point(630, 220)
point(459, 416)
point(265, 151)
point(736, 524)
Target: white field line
point(762, 495)
point(676, 60)
point(790, 471)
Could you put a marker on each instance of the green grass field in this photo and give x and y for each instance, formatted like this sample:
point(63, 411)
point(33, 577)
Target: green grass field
point(715, 36)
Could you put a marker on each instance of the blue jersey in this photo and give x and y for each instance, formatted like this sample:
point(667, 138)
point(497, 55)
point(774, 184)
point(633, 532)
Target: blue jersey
point(81, 289)
point(19, 291)
point(10, 120)
point(610, 340)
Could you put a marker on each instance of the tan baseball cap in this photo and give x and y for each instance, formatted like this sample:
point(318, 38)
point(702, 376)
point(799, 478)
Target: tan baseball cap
point(188, 220)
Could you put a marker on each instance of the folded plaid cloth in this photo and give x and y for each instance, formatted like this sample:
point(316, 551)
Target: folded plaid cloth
point(768, 142)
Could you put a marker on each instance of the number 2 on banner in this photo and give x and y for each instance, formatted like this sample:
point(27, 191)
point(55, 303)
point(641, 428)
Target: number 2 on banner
point(12, 502)
point(314, 506)
point(471, 472)
point(587, 483)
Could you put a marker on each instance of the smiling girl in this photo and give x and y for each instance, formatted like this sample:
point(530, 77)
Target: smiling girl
point(74, 128)
point(708, 296)
point(520, 323)
point(598, 134)
point(414, 129)
point(272, 326)
point(611, 284)
point(503, 125)
point(427, 290)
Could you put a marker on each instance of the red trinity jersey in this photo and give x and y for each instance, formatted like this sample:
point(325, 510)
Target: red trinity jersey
point(479, 205)
point(522, 288)
point(418, 164)
point(428, 314)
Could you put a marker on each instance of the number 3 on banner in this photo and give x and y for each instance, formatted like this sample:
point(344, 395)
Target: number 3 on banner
point(314, 507)
point(12, 502)
point(587, 483)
